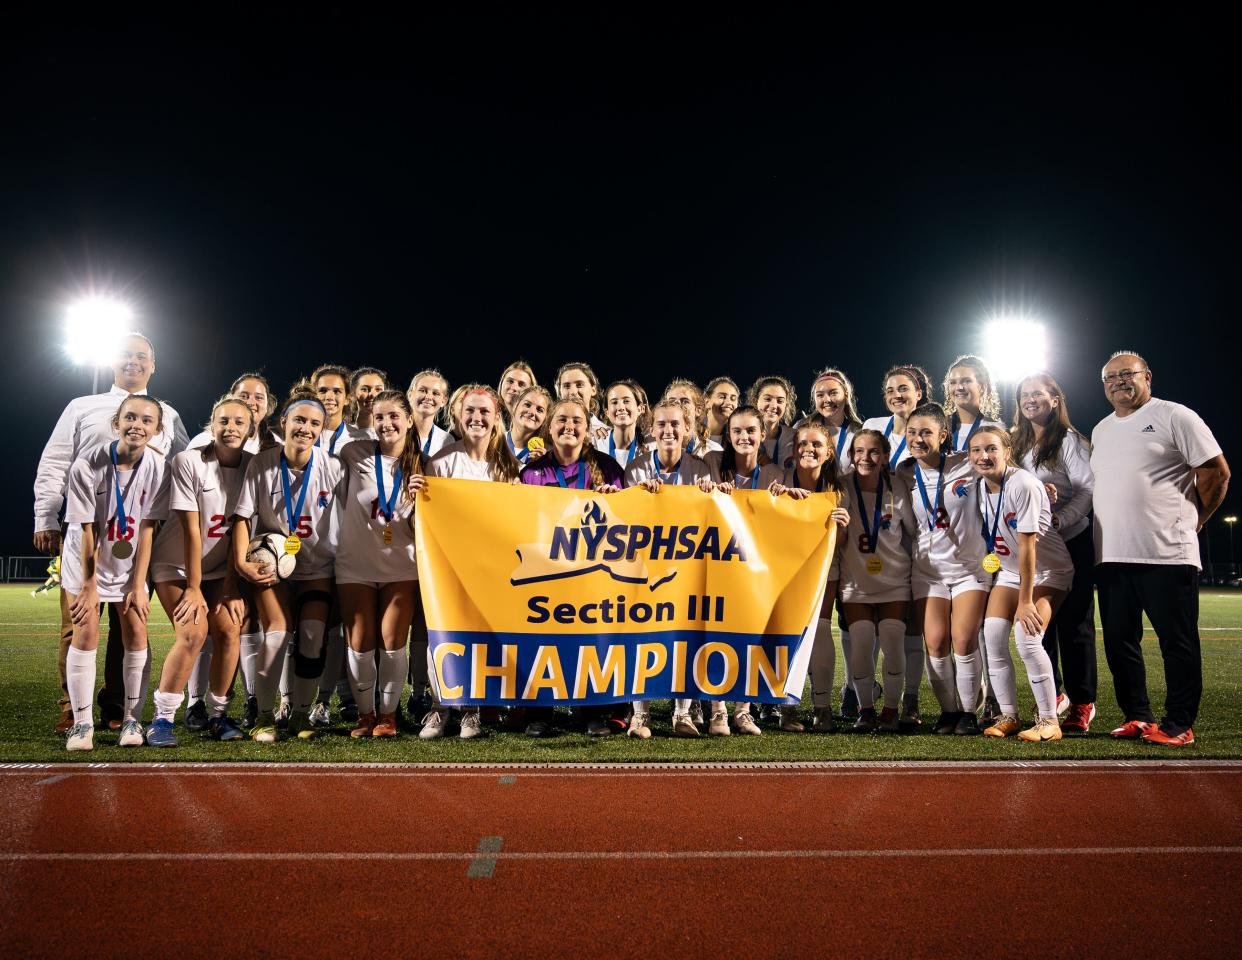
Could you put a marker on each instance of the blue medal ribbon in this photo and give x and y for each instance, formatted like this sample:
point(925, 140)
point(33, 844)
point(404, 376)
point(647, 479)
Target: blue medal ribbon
point(427, 446)
point(989, 537)
point(872, 532)
point(293, 514)
point(674, 473)
point(522, 455)
point(612, 447)
point(927, 505)
point(122, 521)
point(386, 504)
point(841, 434)
point(336, 435)
point(579, 483)
point(892, 461)
point(791, 480)
point(955, 424)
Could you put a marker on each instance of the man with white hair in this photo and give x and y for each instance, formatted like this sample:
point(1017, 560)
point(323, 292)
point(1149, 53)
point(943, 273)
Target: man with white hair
point(1159, 475)
point(86, 425)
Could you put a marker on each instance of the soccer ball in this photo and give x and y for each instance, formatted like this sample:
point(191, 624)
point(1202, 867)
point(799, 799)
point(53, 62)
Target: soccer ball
point(268, 551)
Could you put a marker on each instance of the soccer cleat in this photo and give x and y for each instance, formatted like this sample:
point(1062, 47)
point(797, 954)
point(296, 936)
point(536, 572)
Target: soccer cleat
point(947, 723)
point(1079, 718)
point(684, 725)
point(718, 725)
point(471, 726)
point(385, 726)
point(967, 725)
point(265, 729)
point(910, 717)
point(300, 725)
point(81, 737)
point(195, 719)
point(991, 711)
point(890, 720)
point(1006, 725)
point(598, 727)
point(65, 723)
point(282, 713)
point(1132, 730)
point(821, 720)
point(349, 712)
point(319, 716)
point(433, 725)
point(223, 728)
point(160, 734)
point(131, 734)
point(1157, 736)
point(638, 728)
point(745, 723)
point(1045, 728)
point(539, 728)
point(789, 720)
point(365, 727)
point(250, 712)
point(696, 711)
point(866, 722)
point(1063, 704)
point(849, 704)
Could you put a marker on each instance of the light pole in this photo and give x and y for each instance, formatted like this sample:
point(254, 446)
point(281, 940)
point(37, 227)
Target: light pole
point(1229, 522)
point(94, 326)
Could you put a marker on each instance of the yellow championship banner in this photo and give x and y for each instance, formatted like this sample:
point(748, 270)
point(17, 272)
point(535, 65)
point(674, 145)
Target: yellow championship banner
point(542, 595)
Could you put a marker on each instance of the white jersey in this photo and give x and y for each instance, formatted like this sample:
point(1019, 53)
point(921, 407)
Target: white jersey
point(1026, 509)
point(778, 447)
point(334, 441)
point(685, 472)
point(262, 503)
point(1071, 474)
point(952, 547)
point(897, 453)
point(436, 441)
point(891, 582)
point(202, 486)
point(92, 499)
point(85, 425)
point(768, 473)
point(358, 522)
point(622, 454)
point(1145, 476)
point(960, 433)
point(454, 462)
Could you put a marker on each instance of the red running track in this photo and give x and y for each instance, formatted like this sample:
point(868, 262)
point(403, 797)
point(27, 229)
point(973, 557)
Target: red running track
point(915, 860)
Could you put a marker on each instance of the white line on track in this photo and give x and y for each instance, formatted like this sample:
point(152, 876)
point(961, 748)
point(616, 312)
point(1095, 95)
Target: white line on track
point(918, 852)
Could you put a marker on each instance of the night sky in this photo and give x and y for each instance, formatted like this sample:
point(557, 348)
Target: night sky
point(660, 198)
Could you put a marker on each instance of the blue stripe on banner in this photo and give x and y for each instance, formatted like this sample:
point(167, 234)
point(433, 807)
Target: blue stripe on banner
point(573, 669)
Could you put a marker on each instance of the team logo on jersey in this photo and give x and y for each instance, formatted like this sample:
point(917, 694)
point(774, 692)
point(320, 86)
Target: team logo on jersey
point(961, 487)
point(886, 521)
point(323, 498)
point(589, 537)
point(1011, 521)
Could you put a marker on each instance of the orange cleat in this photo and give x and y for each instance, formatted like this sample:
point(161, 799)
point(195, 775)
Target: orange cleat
point(1160, 738)
point(1079, 718)
point(364, 727)
point(1132, 730)
point(385, 726)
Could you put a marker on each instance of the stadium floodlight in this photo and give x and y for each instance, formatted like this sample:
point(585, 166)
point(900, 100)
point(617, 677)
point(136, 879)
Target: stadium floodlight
point(1015, 347)
point(94, 327)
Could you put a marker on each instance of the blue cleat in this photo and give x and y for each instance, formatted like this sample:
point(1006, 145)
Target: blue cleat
point(160, 734)
point(222, 728)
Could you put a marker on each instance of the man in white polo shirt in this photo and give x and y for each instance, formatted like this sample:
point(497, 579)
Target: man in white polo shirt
point(1159, 475)
point(86, 425)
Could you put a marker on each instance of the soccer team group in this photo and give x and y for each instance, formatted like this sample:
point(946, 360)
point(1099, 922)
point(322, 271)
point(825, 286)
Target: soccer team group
point(280, 542)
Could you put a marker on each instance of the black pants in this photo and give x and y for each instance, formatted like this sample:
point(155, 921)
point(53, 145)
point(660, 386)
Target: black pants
point(1070, 638)
point(1169, 595)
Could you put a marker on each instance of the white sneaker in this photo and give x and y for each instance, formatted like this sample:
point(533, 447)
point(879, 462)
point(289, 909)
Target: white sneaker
point(319, 715)
point(131, 734)
point(433, 725)
point(696, 711)
point(719, 724)
point(81, 737)
point(745, 723)
point(683, 726)
point(638, 727)
point(471, 725)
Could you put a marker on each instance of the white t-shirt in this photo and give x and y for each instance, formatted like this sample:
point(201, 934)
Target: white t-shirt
point(262, 502)
point(1144, 464)
point(953, 547)
point(768, 472)
point(1026, 509)
point(210, 490)
point(91, 499)
point(358, 521)
point(335, 440)
point(686, 472)
point(1071, 474)
point(621, 454)
point(897, 444)
point(454, 462)
point(436, 441)
point(892, 582)
point(959, 438)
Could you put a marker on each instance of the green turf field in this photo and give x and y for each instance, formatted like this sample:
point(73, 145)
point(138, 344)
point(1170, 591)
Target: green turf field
point(29, 689)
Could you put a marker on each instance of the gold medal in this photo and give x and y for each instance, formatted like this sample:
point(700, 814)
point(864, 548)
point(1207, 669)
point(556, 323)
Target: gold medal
point(122, 549)
point(874, 565)
point(991, 563)
point(534, 443)
point(293, 544)
point(388, 535)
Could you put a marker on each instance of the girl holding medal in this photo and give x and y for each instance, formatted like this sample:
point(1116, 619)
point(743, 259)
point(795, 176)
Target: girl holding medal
point(573, 463)
point(193, 578)
point(365, 384)
point(776, 401)
point(722, 400)
point(667, 462)
point(815, 470)
point(875, 580)
point(737, 467)
point(1031, 581)
point(529, 417)
point(428, 393)
point(288, 491)
point(970, 400)
point(516, 380)
point(331, 386)
point(111, 510)
point(481, 454)
point(948, 580)
point(376, 576)
point(625, 405)
point(578, 381)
